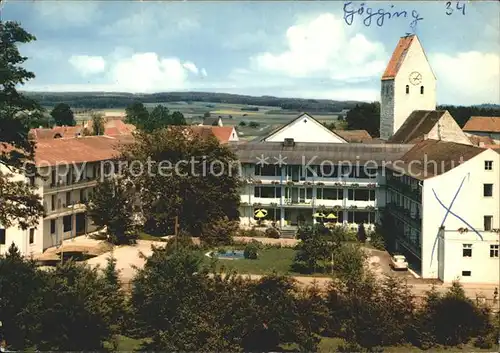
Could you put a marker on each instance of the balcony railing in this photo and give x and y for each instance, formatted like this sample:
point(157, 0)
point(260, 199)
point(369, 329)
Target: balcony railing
point(63, 185)
point(404, 214)
point(407, 190)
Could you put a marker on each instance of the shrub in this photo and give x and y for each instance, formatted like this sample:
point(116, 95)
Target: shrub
point(377, 241)
point(251, 233)
point(250, 251)
point(219, 232)
point(272, 233)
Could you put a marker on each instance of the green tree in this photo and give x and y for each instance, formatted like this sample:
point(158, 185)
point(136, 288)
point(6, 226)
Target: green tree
point(77, 314)
point(451, 319)
point(199, 184)
point(158, 118)
point(361, 233)
point(136, 114)
point(116, 298)
point(20, 305)
point(178, 119)
point(365, 116)
point(63, 115)
point(253, 124)
point(111, 206)
point(19, 204)
point(242, 123)
point(98, 122)
point(219, 232)
point(349, 263)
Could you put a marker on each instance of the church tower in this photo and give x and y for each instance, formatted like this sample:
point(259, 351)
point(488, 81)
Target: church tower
point(408, 84)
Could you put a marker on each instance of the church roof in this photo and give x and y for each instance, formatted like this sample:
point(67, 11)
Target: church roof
point(398, 57)
point(419, 123)
point(483, 124)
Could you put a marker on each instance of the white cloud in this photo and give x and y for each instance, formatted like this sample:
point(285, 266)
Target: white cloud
point(188, 65)
point(88, 65)
point(322, 48)
point(467, 78)
point(203, 73)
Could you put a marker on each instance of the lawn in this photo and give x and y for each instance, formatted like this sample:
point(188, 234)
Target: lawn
point(269, 260)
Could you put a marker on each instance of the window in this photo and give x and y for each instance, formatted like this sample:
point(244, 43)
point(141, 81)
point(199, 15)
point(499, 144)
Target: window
point(53, 179)
point(68, 198)
point(53, 202)
point(466, 273)
point(67, 223)
point(52, 226)
point(361, 194)
point(407, 89)
point(2, 236)
point(330, 194)
point(467, 250)
point(32, 235)
point(82, 195)
point(421, 89)
point(494, 250)
point(488, 165)
point(488, 222)
point(488, 190)
point(269, 192)
point(267, 170)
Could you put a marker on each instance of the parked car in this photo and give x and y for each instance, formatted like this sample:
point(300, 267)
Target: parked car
point(398, 262)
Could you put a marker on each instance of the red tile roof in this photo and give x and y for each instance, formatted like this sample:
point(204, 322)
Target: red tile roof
point(481, 140)
point(483, 124)
point(55, 132)
point(354, 135)
point(223, 133)
point(76, 150)
point(397, 58)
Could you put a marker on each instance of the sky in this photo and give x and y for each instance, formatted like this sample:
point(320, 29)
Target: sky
point(303, 49)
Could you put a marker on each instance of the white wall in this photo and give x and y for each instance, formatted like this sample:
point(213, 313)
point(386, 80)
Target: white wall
point(447, 129)
point(19, 236)
point(305, 129)
point(469, 204)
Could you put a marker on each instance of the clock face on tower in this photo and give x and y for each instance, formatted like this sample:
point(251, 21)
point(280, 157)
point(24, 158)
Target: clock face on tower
point(415, 78)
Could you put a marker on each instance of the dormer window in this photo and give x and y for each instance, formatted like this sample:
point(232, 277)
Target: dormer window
point(421, 89)
point(407, 89)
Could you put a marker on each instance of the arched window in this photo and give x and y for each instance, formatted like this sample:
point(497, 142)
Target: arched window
point(407, 89)
point(421, 89)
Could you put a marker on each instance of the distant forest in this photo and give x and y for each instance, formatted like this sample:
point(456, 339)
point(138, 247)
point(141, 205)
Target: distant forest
point(102, 100)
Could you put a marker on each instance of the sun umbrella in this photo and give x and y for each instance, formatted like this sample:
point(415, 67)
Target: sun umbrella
point(319, 215)
point(331, 216)
point(260, 213)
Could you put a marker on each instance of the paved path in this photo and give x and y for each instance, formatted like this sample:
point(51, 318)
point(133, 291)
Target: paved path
point(128, 257)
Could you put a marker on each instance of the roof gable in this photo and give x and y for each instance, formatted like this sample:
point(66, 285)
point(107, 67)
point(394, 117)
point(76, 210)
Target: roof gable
point(399, 55)
point(419, 123)
point(483, 124)
point(304, 128)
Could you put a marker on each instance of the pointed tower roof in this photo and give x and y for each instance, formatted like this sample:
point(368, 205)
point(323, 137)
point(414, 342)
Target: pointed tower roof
point(398, 57)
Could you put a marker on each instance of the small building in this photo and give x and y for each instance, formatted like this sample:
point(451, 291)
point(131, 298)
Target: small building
point(486, 126)
point(212, 121)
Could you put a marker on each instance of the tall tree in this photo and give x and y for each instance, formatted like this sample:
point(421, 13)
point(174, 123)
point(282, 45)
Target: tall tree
point(63, 115)
point(189, 176)
point(19, 204)
point(158, 118)
point(111, 206)
point(178, 119)
point(136, 114)
point(98, 122)
point(365, 116)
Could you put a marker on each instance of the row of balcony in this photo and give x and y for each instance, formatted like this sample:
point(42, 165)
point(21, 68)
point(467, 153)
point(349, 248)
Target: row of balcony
point(62, 184)
point(343, 184)
point(74, 207)
point(289, 202)
point(404, 214)
point(412, 192)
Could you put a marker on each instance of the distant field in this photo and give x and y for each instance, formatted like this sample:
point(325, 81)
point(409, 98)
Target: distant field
point(268, 118)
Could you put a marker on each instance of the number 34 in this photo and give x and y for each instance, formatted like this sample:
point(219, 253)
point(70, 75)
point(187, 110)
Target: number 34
point(459, 7)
